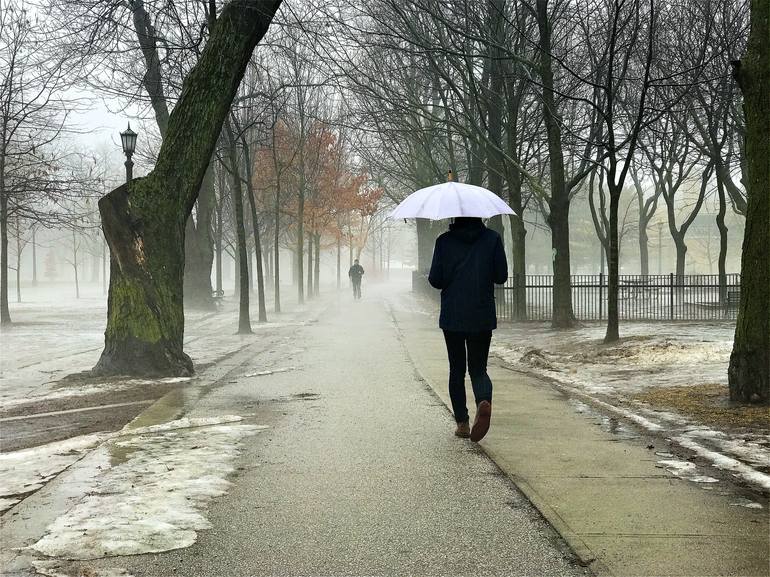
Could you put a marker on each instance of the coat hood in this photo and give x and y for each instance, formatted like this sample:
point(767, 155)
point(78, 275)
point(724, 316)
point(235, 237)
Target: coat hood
point(467, 229)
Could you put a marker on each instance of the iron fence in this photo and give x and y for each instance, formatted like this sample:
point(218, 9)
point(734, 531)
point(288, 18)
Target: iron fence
point(640, 297)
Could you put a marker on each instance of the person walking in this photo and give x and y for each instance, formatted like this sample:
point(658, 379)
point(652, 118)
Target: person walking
point(468, 260)
point(355, 273)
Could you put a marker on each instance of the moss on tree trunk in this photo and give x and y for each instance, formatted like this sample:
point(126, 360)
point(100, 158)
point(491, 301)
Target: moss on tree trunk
point(749, 371)
point(144, 223)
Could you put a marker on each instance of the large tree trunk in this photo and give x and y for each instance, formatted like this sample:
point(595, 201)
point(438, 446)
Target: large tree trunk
point(34, 257)
point(18, 260)
point(644, 250)
point(516, 222)
point(681, 256)
point(558, 218)
point(613, 266)
point(317, 272)
point(75, 264)
point(198, 245)
point(244, 319)
point(104, 267)
point(749, 371)
point(309, 291)
point(519, 266)
point(5, 313)
point(300, 249)
point(425, 241)
point(220, 252)
point(722, 241)
point(277, 252)
point(339, 261)
point(199, 252)
point(257, 239)
point(144, 221)
point(494, 148)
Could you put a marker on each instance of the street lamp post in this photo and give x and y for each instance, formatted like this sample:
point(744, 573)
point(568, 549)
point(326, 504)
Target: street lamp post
point(128, 140)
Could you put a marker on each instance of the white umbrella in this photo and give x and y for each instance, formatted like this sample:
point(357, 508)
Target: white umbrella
point(451, 199)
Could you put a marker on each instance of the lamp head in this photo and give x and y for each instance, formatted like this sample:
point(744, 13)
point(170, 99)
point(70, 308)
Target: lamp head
point(128, 140)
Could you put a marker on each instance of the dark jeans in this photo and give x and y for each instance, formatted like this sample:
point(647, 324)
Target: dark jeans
point(356, 287)
point(477, 345)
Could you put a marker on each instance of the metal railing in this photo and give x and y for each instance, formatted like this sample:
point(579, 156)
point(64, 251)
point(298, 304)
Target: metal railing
point(640, 298)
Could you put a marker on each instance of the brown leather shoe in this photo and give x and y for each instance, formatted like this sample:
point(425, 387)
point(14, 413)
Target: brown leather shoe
point(463, 430)
point(481, 422)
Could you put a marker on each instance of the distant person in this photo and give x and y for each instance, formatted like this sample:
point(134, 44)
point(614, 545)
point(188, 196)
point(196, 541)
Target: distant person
point(355, 273)
point(468, 260)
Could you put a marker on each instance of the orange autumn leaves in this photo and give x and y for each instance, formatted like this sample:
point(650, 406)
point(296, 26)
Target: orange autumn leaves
point(339, 200)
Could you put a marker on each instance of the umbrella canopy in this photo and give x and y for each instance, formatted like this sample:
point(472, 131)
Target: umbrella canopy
point(451, 199)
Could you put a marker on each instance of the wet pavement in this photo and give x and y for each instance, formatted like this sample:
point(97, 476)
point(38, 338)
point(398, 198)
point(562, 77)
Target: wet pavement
point(628, 498)
point(358, 473)
point(44, 421)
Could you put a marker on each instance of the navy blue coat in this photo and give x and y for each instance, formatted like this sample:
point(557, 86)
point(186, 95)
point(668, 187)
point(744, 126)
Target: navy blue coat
point(468, 260)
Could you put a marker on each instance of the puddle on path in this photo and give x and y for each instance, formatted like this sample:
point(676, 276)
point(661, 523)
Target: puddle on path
point(607, 424)
point(270, 372)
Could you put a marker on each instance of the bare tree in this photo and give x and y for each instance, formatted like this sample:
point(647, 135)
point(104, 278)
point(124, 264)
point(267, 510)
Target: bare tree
point(672, 163)
point(33, 80)
point(145, 324)
point(142, 50)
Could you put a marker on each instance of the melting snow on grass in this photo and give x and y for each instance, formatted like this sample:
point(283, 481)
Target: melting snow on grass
point(725, 463)
point(650, 356)
point(153, 501)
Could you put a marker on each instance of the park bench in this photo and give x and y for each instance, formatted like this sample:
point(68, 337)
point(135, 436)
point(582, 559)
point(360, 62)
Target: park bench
point(631, 288)
point(218, 297)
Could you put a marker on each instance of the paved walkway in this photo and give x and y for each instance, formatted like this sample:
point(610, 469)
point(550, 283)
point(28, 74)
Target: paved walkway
point(602, 491)
point(359, 473)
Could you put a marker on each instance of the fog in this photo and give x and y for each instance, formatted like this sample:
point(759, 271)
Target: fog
point(220, 354)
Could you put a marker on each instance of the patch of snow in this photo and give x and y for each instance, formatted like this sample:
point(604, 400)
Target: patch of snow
point(27, 470)
point(580, 406)
point(749, 451)
point(6, 503)
point(685, 470)
point(186, 423)
point(726, 463)
point(748, 503)
point(270, 372)
point(623, 412)
point(153, 501)
point(650, 355)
